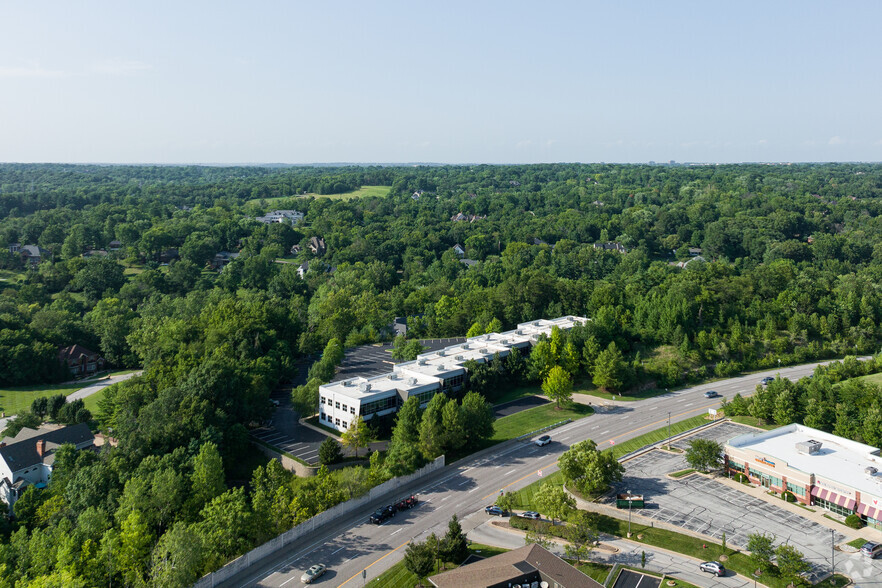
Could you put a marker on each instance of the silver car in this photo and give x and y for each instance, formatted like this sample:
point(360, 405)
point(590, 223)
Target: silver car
point(310, 575)
point(871, 549)
point(714, 567)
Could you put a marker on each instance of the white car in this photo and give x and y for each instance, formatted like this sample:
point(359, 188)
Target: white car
point(310, 575)
point(543, 440)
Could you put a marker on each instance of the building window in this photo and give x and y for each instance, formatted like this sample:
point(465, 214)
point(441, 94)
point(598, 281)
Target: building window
point(336, 405)
point(321, 399)
point(337, 422)
point(798, 490)
point(369, 408)
point(453, 382)
point(345, 425)
point(345, 408)
point(352, 410)
point(736, 467)
point(832, 507)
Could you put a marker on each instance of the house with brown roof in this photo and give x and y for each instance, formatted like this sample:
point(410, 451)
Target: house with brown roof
point(530, 565)
point(80, 361)
point(27, 459)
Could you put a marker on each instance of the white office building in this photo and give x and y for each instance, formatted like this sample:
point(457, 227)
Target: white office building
point(292, 217)
point(439, 371)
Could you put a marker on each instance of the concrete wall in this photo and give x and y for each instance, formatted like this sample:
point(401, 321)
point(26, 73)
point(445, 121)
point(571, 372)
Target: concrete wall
point(300, 469)
point(316, 522)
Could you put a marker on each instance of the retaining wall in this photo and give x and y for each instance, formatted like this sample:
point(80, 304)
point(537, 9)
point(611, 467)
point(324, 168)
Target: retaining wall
point(319, 520)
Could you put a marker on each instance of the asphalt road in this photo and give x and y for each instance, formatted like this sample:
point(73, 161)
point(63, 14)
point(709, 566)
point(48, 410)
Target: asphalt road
point(353, 545)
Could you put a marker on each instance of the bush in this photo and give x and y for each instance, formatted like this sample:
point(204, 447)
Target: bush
point(742, 478)
point(541, 527)
point(330, 452)
point(854, 521)
point(788, 496)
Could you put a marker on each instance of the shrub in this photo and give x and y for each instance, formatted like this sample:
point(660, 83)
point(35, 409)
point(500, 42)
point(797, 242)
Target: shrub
point(854, 521)
point(330, 452)
point(739, 477)
point(788, 496)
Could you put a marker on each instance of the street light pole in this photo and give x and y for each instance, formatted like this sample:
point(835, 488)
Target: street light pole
point(630, 498)
point(669, 429)
point(832, 551)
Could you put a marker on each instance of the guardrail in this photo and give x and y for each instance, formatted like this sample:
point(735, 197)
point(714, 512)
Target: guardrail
point(543, 429)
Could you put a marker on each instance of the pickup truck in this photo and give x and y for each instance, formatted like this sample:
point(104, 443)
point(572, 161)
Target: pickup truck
point(381, 514)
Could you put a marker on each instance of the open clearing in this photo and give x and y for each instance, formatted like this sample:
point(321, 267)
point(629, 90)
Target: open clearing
point(380, 191)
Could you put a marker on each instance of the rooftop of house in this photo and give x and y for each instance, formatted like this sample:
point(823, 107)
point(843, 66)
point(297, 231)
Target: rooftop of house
point(21, 451)
point(530, 560)
point(838, 459)
point(75, 351)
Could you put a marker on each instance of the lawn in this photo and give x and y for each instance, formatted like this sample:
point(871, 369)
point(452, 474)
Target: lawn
point(753, 422)
point(859, 542)
point(875, 379)
point(534, 419)
point(398, 577)
point(595, 571)
point(13, 400)
point(360, 193)
point(517, 392)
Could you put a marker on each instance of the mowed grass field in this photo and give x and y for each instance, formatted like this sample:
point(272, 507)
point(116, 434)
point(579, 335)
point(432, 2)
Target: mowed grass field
point(379, 191)
point(13, 400)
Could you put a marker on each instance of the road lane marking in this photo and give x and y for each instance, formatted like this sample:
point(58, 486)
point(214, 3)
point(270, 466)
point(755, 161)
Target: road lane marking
point(690, 404)
point(371, 564)
point(341, 549)
point(445, 498)
point(398, 531)
point(288, 580)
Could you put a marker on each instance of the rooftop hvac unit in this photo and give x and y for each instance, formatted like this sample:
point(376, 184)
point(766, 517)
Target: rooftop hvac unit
point(465, 346)
point(364, 387)
point(411, 381)
point(810, 447)
point(504, 341)
point(458, 358)
point(485, 350)
point(347, 383)
point(870, 471)
point(520, 331)
point(441, 353)
point(421, 361)
point(393, 376)
point(543, 584)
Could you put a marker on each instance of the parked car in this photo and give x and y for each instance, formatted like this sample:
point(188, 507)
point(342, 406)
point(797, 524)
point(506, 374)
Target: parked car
point(531, 514)
point(543, 440)
point(310, 575)
point(381, 514)
point(711, 394)
point(767, 380)
point(494, 510)
point(714, 567)
point(871, 550)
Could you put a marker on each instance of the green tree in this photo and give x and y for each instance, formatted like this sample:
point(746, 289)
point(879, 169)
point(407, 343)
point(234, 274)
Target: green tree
point(558, 386)
point(476, 329)
point(358, 435)
point(177, 558)
point(453, 426)
point(581, 533)
point(455, 546)
point(477, 419)
point(704, 454)
point(419, 560)
point(609, 369)
point(431, 427)
point(762, 405)
point(792, 564)
point(554, 501)
point(136, 542)
point(761, 550)
point(207, 479)
point(542, 359)
point(330, 452)
point(589, 469)
point(506, 501)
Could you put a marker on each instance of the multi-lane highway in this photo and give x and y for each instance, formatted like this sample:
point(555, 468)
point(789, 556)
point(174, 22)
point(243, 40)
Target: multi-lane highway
point(353, 545)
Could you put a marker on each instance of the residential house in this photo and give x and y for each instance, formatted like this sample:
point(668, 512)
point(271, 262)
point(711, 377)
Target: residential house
point(33, 254)
point(530, 565)
point(416, 195)
point(460, 217)
point(317, 245)
point(295, 249)
point(27, 458)
point(458, 250)
point(537, 241)
point(468, 262)
point(80, 361)
point(694, 251)
point(683, 264)
point(114, 245)
point(168, 255)
point(292, 217)
point(302, 269)
point(611, 246)
point(94, 253)
point(222, 259)
point(14, 247)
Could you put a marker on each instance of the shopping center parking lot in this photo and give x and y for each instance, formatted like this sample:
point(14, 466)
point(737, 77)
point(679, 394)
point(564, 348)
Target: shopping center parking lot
point(710, 507)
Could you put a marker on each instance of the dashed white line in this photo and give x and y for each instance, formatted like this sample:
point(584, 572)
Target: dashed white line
point(341, 549)
point(398, 531)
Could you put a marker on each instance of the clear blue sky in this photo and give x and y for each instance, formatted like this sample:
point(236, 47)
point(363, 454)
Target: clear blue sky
point(449, 82)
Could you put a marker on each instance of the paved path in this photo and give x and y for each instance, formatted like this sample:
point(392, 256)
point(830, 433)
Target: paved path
point(466, 487)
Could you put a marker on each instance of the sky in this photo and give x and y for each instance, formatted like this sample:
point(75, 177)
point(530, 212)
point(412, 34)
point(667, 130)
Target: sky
point(443, 82)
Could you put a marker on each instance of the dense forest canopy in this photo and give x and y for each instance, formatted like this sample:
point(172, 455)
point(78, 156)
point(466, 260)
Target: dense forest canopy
point(708, 269)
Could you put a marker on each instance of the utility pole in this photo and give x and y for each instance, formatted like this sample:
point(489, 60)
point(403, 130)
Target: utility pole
point(669, 430)
point(833, 551)
point(630, 498)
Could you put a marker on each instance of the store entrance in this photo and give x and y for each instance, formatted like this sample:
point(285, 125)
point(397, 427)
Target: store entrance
point(766, 481)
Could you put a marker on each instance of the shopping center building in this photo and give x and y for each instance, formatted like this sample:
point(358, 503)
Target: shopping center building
point(819, 468)
point(443, 370)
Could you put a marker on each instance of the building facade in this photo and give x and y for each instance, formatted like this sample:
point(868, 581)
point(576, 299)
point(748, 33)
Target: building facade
point(444, 370)
point(818, 468)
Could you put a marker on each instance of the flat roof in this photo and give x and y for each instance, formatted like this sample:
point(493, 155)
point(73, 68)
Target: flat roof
point(447, 362)
point(839, 459)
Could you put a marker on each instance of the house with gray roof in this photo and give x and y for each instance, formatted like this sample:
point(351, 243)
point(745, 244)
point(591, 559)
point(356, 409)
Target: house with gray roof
point(27, 459)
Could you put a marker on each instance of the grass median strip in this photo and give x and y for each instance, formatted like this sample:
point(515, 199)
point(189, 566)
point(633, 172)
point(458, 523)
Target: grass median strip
point(399, 577)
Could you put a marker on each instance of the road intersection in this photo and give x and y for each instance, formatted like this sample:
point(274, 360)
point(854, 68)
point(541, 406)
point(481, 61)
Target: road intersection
point(354, 545)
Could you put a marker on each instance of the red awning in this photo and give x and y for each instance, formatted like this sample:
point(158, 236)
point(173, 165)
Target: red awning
point(869, 511)
point(831, 496)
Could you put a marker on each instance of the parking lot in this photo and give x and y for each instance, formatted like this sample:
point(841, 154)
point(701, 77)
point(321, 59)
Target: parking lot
point(286, 433)
point(632, 579)
point(710, 507)
point(376, 360)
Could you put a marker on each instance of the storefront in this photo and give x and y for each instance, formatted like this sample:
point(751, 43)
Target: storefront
point(817, 468)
